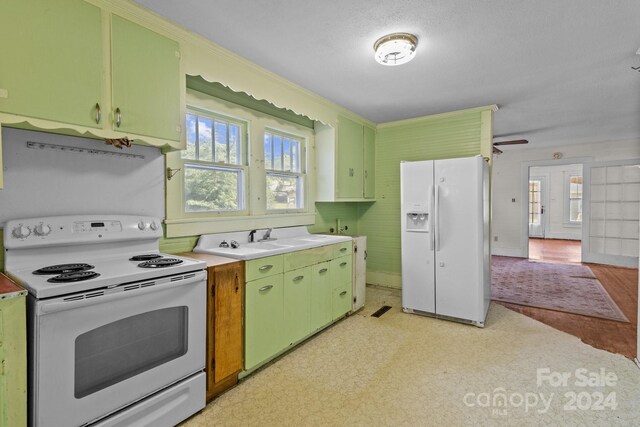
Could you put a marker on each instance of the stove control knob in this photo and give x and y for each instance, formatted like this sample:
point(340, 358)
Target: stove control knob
point(154, 225)
point(42, 230)
point(21, 232)
point(142, 225)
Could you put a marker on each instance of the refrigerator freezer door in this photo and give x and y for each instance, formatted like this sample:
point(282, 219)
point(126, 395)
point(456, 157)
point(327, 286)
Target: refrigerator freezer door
point(418, 289)
point(459, 248)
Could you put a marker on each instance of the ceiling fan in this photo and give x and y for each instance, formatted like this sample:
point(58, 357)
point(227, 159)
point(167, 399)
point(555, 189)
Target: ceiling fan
point(513, 142)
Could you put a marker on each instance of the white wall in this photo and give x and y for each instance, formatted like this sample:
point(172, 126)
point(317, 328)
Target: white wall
point(507, 221)
point(556, 224)
point(44, 182)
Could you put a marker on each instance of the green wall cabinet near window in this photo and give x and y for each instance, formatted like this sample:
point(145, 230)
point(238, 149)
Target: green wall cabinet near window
point(145, 76)
point(51, 60)
point(13, 354)
point(282, 308)
point(345, 162)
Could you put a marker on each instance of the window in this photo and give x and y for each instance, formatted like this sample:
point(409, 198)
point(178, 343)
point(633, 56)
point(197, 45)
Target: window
point(284, 165)
point(575, 199)
point(214, 165)
point(534, 202)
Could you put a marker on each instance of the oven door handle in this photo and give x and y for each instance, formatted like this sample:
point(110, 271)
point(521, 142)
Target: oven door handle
point(117, 293)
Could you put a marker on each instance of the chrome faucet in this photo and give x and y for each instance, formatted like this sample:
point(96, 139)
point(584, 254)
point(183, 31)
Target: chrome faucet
point(267, 236)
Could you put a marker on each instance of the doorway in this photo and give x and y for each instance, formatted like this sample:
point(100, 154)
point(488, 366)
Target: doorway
point(555, 213)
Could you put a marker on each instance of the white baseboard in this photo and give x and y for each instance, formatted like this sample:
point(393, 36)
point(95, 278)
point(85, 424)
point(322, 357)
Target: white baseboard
point(512, 252)
point(563, 236)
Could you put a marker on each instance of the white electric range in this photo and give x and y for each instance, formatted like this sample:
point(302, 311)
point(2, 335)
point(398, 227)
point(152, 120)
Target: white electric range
point(115, 326)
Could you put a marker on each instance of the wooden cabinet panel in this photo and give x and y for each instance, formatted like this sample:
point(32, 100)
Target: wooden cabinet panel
point(52, 63)
point(264, 319)
point(297, 300)
point(13, 361)
point(229, 285)
point(145, 68)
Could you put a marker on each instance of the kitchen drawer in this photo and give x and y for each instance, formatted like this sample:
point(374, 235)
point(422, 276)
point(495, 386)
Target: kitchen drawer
point(299, 259)
point(343, 270)
point(341, 300)
point(341, 249)
point(263, 267)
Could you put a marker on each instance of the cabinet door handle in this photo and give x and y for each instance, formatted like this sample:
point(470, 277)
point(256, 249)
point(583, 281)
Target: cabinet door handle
point(265, 288)
point(118, 117)
point(298, 278)
point(98, 113)
point(342, 264)
point(366, 174)
point(343, 249)
point(343, 293)
point(266, 267)
point(324, 270)
point(350, 171)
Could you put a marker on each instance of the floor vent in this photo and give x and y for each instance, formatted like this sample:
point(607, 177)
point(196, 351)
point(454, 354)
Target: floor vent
point(382, 310)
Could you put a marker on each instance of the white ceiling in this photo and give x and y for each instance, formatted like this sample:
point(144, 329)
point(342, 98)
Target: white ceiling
point(560, 70)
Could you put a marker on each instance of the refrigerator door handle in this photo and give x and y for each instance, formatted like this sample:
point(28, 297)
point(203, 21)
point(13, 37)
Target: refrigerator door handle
point(437, 219)
point(432, 210)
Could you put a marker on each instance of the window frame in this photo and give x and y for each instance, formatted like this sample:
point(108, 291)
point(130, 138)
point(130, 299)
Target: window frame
point(568, 199)
point(242, 167)
point(301, 175)
point(181, 224)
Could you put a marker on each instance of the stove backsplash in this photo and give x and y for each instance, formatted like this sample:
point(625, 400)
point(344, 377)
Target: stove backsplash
point(42, 181)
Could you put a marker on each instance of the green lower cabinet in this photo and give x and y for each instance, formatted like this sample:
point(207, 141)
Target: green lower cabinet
point(297, 298)
point(321, 286)
point(264, 319)
point(13, 362)
point(341, 301)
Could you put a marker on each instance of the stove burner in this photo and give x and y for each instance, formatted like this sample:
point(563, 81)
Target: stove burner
point(145, 257)
point(76, 276)
point(160, 263)
point(63, 268)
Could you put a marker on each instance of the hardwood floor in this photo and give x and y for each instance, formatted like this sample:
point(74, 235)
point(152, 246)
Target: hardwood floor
point(621, 284)
point(555, 250)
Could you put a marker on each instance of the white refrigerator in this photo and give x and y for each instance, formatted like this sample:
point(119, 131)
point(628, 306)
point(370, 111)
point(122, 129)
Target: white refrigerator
point(445, 238)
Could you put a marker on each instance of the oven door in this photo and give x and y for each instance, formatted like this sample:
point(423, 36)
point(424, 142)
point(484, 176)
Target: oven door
point(97, 352)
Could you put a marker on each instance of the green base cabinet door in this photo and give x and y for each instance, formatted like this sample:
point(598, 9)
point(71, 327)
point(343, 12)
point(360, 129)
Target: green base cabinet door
point(52, 64)
point(321, 282)
point(146, 81)
point(297, 299)
point(263, 319)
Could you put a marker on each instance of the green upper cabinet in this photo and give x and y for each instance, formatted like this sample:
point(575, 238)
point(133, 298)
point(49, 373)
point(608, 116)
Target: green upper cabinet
point(369, 148)
point(349, 161)
point(345, 159)
point(145, 68)
point(51, 60)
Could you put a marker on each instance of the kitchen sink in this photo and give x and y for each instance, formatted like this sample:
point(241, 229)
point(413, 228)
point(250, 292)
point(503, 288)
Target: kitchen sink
point(284, 243)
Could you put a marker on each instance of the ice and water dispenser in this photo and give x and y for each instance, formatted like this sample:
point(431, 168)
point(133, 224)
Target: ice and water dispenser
point(417, 217)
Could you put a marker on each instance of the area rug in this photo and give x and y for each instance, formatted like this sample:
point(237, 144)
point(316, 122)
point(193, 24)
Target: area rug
point(571, 288)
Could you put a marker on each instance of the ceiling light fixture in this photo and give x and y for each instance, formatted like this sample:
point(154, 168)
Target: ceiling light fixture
point(395, 49)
